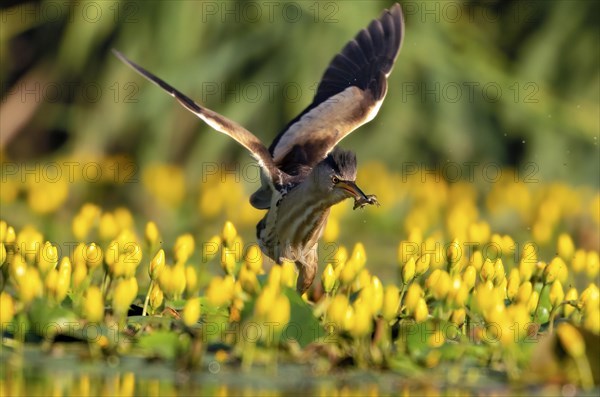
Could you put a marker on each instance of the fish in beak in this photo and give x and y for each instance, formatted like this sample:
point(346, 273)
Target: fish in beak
point(360, 198)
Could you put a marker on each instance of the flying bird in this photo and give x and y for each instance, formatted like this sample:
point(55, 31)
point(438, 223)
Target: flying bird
point(303, 172)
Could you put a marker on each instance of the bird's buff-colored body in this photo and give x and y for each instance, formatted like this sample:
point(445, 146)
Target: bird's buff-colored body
point(303, 172)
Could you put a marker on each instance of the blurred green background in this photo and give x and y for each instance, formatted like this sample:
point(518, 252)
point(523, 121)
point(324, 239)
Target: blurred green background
point(493, 82)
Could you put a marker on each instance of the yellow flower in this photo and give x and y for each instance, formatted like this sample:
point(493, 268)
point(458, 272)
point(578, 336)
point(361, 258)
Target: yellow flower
point(458, 316)
point(413, 295)
point(556, 293)
point(2, 254)
point(469, 277)
point(359, 257)
point(439, 283)
point(591, 264)
point(336, 312)
point(340, 257)
point(391, 302)
point(487, 270)
point(220, 291)
point(512, 287)
point(477, 260)
point(552, 271)
point(591, 321)
point(571, 340)
point(151, 234)
point(279, 313)
point(184, 247)
point(421, 311)
point(156, 296)
point(108, 228)
point(47, 258)
point(229, 234)
point(7, 309)
point(288, 274)
point(422, 265)
point(408, 271)
point(264, 302)
point(565, 246)
point(348, 273)
point(191, 312)
point(228, 260)
point(328, 278)
point(191, 280)
point(93, 305)
point(533, 302)
point(210, 249)
point(579, 261)
point(254, 259)
point(362, 324)
point(157, 264)
point(30, 285)
point(524, 292)
point(93, 256)
point(332, 229)
point(571, 295)
point(125, 293)
point(79, 274)
point(248, 281)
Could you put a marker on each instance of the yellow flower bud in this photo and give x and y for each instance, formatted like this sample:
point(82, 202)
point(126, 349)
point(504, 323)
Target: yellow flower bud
point(63, 280)
point(328, 278)
point(528, 261)
point(454, 255)
point(264, 302)
point(551, 272)
point(191, 280)
point(458, 316)
point(10, 236)
point(3, 229)
point(229, 234)
point(340, 257)
point(556, 293)
point(93, 305)
point(348, 273)
point(220, 291)
point(228, 260)
point(421, 311)
point(579, 261)
point(533, 302)
point(47, 258)
point(157, 264)
point(279, 314)
point(487, 270)
point(247, 279)
point(512, 287)
point(2, 254)
point(362, 324)
point(254, 259)
point(407, 249)
point(178, 281)
point(565, 246)
point(591, 264)
point(499, 272)
point(336, 312)
point(413, 295)
point(108, 228)
point(589, 298)
point(210, 249)
point(408, 271)
point(362, 281)
point(571, 340)
point(359, 257)
point(274, 278)
point(591, 321)
point(469, 277)
point(93, 256)
point(7, 310)
point(288, 274)
point(391, 302)
point(156, 297)
point(184, 247)
point(30, 285)
point(191, 312)
point(151, 234)
point(376, 292)
point(125, 293)
point(79, 274)
point(477, 260)
point(571, 295)
point(439, 283)
point(524, 292)
point(422, 265)
point(332, 229)
point(459, 293)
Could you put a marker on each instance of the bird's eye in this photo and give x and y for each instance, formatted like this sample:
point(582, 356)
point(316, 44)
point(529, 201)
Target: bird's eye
point(335, 179)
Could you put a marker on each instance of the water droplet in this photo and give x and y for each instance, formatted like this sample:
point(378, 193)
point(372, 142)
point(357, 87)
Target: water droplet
point(523, 141)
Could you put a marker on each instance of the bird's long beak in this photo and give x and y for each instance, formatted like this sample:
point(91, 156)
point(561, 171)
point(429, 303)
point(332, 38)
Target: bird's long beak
point(353, 189)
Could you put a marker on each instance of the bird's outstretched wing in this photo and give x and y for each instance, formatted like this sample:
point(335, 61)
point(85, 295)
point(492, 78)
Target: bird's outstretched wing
point(348, 96)
point(216, 121)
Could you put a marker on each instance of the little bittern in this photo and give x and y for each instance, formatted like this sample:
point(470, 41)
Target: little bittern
point(303, 173)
